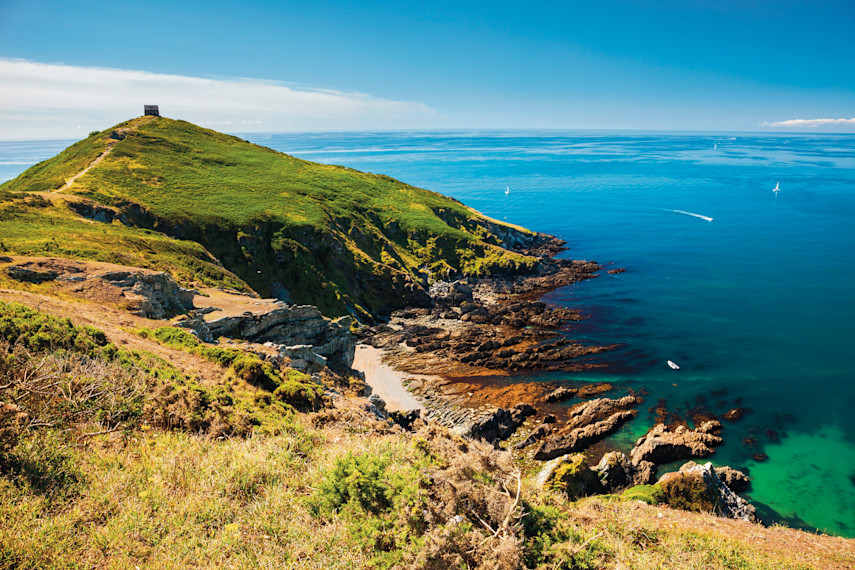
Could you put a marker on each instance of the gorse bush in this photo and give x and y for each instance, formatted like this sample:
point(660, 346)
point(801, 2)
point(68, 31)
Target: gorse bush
point(40, 332)
point(358, 480)
point(64, 388)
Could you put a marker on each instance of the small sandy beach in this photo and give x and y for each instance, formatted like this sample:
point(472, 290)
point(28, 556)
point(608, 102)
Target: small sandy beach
point(383, 379)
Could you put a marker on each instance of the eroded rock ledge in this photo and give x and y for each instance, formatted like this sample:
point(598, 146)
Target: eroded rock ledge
point(145, 293)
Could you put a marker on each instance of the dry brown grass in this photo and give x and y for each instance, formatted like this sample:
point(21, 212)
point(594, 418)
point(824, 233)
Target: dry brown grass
point(118, 326)
point(645, 536)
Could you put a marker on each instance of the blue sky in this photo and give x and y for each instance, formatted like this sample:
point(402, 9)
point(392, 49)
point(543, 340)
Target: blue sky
point(326, 64)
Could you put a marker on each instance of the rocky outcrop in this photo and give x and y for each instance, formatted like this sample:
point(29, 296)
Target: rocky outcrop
point(406, 419)
point(32, 273)
point(487, 422)
point(95, 211)
point(571, 474)
point(699, 488)
point(501, 424)
point(491, 323)
point(536, 435)
point(144, 293)
point(561, 394)
point(589, 422)
point(288, 327)
point(662, 445)
point(303, 358)
point(155, 295)
point(616, 472)
point(736, 480)
point(377, 406)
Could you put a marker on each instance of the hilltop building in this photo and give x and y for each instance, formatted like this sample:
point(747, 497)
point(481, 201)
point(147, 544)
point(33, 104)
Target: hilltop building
point(152, 110)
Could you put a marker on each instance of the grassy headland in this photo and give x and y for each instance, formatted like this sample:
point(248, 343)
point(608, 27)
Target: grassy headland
point(331, 236)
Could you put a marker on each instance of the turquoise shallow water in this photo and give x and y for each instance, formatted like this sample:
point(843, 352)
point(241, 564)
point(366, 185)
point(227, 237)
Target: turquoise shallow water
point(756, 306)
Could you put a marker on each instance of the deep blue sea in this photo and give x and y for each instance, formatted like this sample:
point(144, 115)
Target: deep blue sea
point(756, 306)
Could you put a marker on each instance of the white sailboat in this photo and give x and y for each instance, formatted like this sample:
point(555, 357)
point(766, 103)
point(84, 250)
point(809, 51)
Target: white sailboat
point(777, 187)
point(507, 190)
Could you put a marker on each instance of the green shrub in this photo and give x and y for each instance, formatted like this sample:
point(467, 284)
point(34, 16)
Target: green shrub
point(175, 337)
point(650, 494)
point(303, 396)
point(222, 356)
point(252, 370)
point(357, 480)
point(40, 332)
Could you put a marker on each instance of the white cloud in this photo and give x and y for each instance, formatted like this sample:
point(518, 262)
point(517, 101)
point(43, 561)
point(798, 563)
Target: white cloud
point(812, 123)
point(40, 100)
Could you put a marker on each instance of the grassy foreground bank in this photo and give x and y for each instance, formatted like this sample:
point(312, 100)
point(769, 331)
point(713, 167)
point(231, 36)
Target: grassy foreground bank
point(247, 480)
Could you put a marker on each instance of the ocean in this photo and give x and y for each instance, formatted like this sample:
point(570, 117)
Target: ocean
point(749, 291)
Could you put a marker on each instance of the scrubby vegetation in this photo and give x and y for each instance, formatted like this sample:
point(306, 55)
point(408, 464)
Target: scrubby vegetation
point(63, 375)
point(331, 236)
point(290, 386)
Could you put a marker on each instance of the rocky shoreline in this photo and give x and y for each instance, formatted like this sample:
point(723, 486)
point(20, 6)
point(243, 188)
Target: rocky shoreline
point(477, 331)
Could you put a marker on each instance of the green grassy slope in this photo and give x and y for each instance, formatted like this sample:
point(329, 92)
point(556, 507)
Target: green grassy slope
point(332, 236)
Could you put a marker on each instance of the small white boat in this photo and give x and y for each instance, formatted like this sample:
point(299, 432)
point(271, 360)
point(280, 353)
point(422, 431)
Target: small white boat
point(715, 146)
point(507, 190)
point(673, 365)
point(777, 187)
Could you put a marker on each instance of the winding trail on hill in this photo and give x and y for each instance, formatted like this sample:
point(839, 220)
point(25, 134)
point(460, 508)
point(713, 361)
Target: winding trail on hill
point(94, 163)
point(110, 144)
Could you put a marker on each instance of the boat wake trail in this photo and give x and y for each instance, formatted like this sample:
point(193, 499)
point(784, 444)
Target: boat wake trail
point(707, 218)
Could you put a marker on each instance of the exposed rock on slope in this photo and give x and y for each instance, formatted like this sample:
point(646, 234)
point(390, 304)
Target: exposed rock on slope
point(144, 293)
point(699, 488)
point(290, 326)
